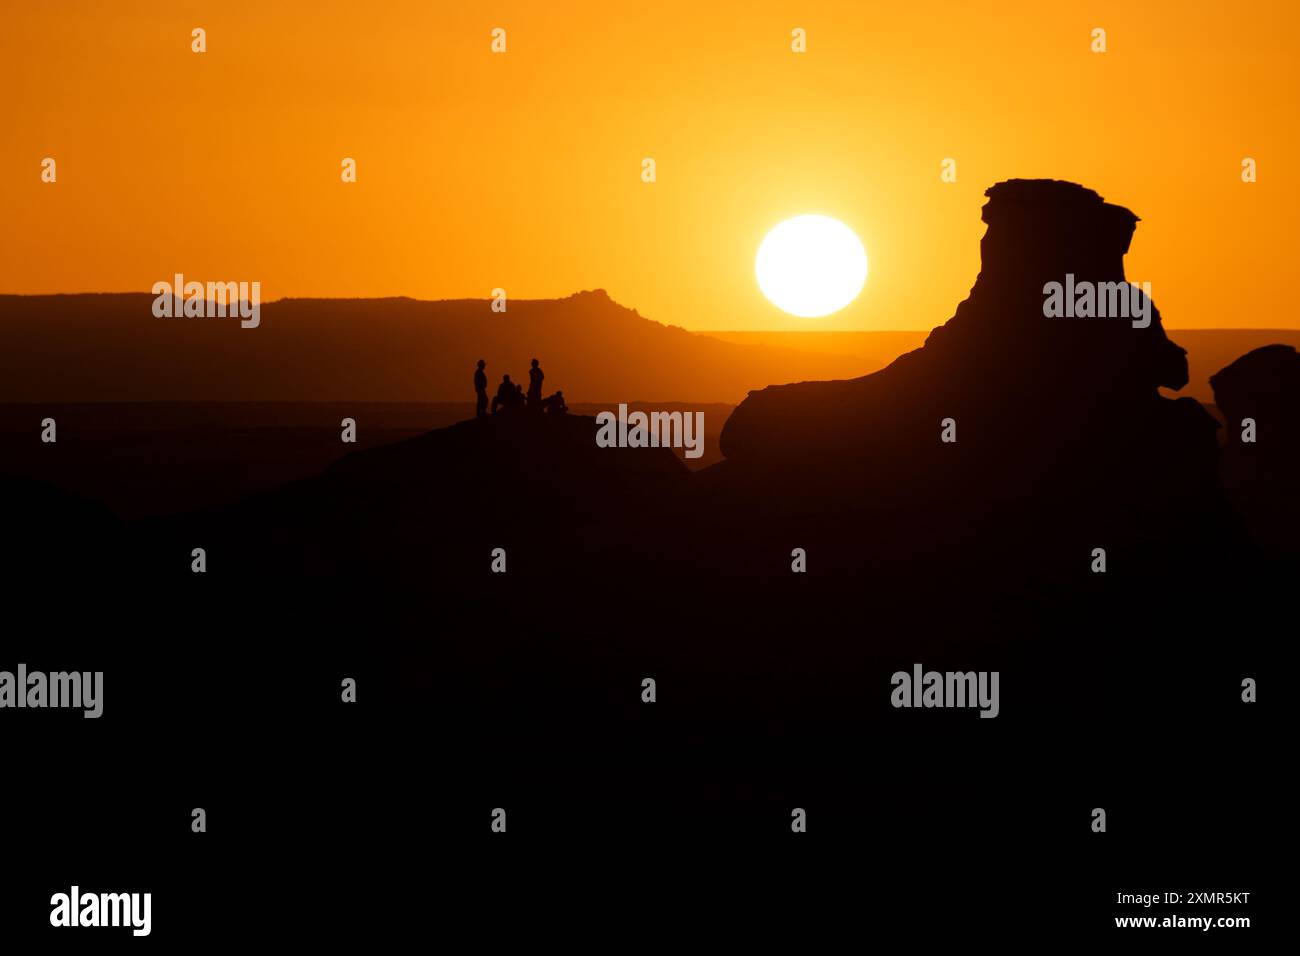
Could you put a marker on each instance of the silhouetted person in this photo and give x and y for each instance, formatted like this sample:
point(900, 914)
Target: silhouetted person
point(505, 395)
point(480, 390)
point(535, 377)
point(518, 401)
point(554, 404)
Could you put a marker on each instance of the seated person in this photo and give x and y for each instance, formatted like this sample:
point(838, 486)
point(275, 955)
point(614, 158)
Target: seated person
point(505, 394)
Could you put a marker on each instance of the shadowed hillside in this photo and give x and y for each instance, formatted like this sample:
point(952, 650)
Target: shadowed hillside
point(156, 458)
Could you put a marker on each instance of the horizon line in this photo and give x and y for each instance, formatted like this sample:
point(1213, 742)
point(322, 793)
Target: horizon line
point(600, 290)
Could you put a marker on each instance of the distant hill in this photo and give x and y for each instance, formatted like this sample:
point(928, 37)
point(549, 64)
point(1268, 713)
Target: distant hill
point(110, 347)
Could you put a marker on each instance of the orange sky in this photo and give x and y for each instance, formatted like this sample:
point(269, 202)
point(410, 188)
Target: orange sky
point(522, 170)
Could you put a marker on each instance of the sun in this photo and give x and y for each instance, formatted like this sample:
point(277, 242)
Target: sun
point(811, 266)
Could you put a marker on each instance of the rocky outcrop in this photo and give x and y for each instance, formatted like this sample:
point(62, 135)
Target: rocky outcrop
point(1056, 419)
point(1259, 397)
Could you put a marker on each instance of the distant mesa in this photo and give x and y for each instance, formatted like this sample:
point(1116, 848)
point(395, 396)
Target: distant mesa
point(97, 348)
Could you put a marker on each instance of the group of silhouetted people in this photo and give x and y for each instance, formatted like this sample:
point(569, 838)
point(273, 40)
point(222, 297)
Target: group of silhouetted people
point(511, 397)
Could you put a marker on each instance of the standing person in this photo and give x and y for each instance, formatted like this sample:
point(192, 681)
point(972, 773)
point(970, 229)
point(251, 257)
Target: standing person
point(535, 377)
point(480, 390)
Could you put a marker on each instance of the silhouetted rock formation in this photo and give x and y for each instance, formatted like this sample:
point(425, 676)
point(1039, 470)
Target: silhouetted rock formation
point(1062, 435)
point(1263, 476)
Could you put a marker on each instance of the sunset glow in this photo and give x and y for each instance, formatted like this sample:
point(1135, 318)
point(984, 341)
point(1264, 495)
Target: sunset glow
point(522, 170)
point(811, 266)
